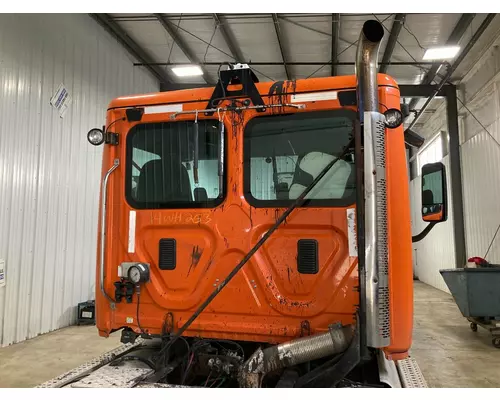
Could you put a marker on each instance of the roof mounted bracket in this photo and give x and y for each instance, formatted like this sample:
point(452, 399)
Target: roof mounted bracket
point(236, 74)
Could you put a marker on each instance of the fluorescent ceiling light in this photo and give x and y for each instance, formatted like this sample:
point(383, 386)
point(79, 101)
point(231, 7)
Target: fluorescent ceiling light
point(441, 53)
point(188, 70)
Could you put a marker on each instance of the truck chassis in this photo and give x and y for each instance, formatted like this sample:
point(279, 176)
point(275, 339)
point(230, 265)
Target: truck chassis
point(116, 369)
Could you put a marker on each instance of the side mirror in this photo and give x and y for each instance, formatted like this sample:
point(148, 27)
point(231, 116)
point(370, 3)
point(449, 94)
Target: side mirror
point(434, 193)
point(413, 139)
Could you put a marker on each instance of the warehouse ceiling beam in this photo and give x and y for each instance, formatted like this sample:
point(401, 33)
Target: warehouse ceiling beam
point(484, 25)
point(131, 46)
point(449, 92)
point(171, 29)
point(459, 30)
point(229, 38)
point(397, 25)
point(335, 42)
point(318, 63)
point(183, 86)
point(420, 90)
point(279, 35)
point(455, 175)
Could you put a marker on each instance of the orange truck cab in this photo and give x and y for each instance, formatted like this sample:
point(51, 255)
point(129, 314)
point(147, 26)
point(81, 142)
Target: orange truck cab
point(259, 229)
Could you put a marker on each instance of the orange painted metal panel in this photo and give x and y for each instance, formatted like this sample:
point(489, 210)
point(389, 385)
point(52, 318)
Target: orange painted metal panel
point(268, 299)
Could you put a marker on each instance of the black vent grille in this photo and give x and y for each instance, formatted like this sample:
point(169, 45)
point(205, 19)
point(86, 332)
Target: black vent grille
point(167, 259)
point(307, 256)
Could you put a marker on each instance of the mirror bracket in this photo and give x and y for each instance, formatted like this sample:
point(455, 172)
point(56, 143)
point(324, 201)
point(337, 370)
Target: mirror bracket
point(111, 138)
point(424, 233)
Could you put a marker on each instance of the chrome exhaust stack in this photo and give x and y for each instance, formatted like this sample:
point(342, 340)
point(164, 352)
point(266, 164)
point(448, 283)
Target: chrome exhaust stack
point(366, 65)
point(338, 338)
point(375, 191)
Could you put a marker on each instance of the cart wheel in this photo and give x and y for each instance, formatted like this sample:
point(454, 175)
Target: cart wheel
point(496, 342)
point(473, 327)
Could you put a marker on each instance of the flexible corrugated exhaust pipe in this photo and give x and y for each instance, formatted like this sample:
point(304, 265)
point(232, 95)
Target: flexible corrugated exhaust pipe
point(376, 273)
point(297, 351)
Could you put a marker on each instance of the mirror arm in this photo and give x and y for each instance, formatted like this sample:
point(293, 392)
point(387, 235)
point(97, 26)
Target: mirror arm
point(423, 234)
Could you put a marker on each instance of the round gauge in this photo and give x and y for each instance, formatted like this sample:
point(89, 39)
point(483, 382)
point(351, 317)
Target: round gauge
point(134, 274)
point(138, 273)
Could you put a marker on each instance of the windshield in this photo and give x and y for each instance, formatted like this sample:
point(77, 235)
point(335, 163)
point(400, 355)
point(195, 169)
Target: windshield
point(284, 153)
point(161, 165)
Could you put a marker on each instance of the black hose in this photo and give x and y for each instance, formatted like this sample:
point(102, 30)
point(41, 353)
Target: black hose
point(187, 344)
point(313, 374)
point(114, 122)
point(164, 356)
point(229, 342)
point(297, 203)
point(149, 363)
point(76, 379)
point(186, 371)
point(138, 321)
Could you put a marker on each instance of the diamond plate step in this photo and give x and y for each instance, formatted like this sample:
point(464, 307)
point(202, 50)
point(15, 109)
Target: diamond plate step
point(88, 367)
point(113, 377)
point(410, 374)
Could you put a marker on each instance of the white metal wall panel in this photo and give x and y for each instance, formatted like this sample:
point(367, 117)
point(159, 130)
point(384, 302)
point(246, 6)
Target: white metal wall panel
point(481, 188)
point(208, 178)
point(261, 184)
point(480, 157)
point(49, 174)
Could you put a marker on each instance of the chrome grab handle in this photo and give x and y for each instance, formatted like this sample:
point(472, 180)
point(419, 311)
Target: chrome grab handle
point(104, 196)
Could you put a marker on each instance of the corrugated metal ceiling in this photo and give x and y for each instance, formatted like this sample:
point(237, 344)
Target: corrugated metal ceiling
point(307, 38)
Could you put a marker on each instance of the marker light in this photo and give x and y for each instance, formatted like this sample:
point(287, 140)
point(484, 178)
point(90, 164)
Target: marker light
point(95, 137)
point(393, 118)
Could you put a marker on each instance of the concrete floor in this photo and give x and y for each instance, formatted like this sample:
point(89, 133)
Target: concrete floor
point(448, 352)
point(40, 359)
